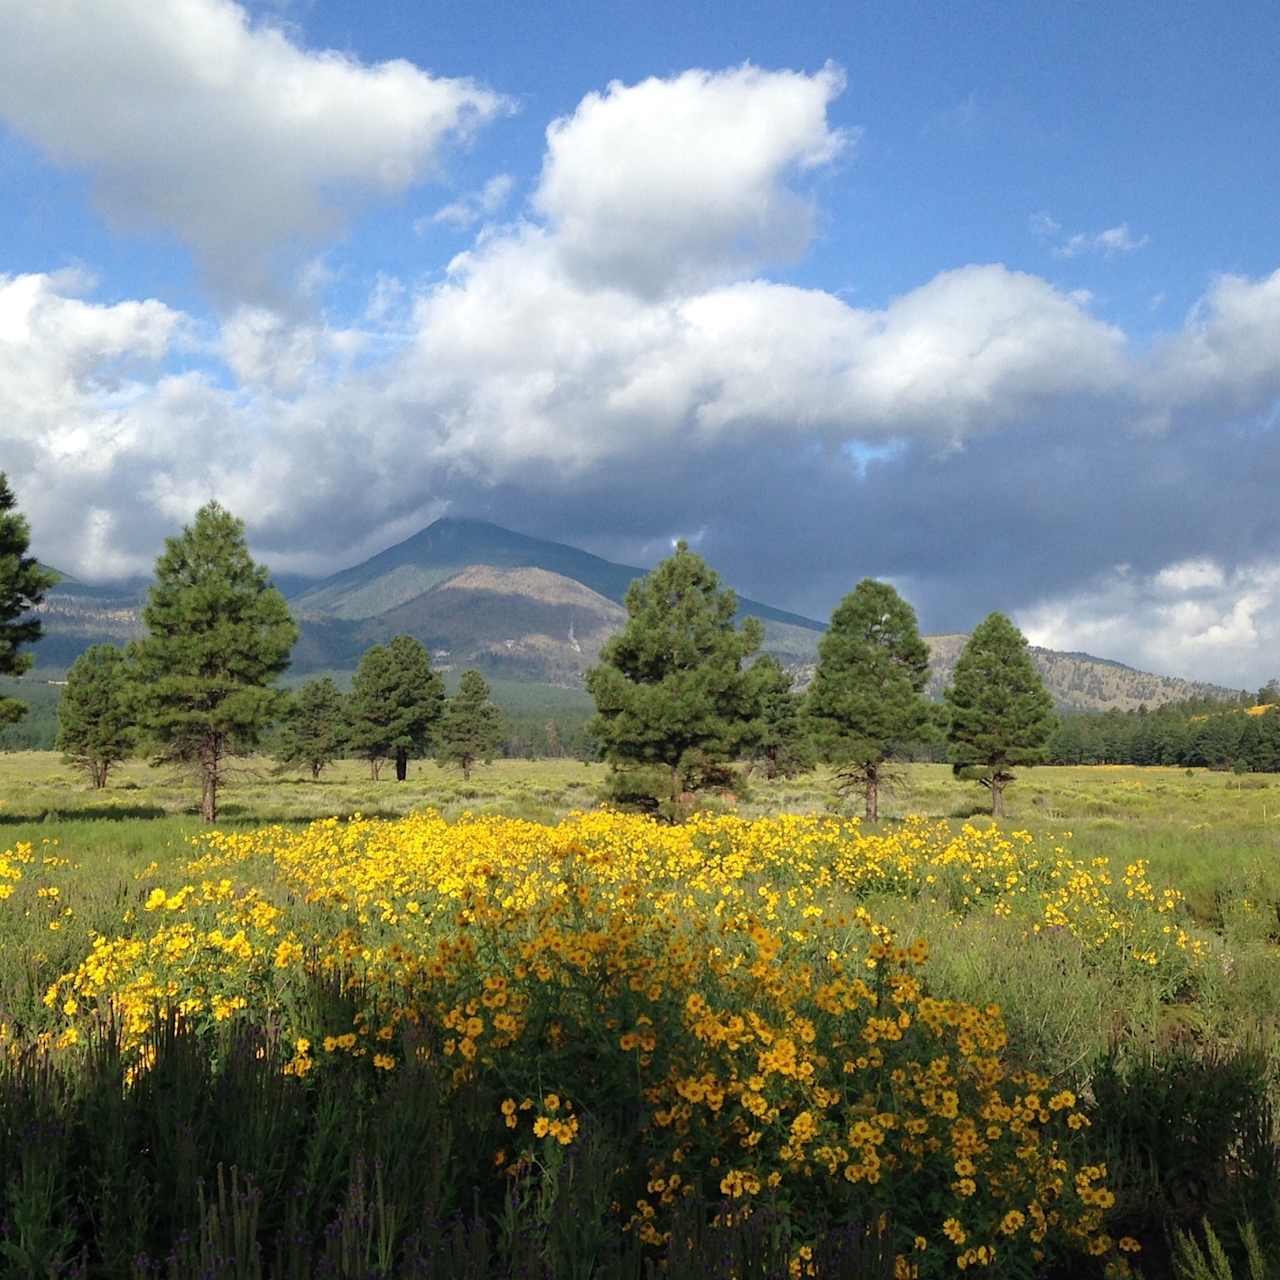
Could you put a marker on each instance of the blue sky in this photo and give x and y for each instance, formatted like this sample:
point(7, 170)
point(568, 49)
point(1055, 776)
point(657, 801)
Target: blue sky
point(981, 298)
point(973, 118)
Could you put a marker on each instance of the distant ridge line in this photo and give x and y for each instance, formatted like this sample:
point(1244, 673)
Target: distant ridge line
point(526, 609)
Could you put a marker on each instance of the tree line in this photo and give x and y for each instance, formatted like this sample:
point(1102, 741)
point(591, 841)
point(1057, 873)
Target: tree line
point(677, 702)
point(682, 695)
point(1244, 738)
point(672, 690)
point(396, 711)
point(200, 686)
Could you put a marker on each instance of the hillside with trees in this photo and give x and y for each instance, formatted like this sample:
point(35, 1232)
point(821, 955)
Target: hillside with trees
point(1080, 681)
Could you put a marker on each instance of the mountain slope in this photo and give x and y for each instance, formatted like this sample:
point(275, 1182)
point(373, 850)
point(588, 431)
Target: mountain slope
point(434, 554)
point(75, 615)
point(1079, 681)
point(515, 623)
point(487, 596)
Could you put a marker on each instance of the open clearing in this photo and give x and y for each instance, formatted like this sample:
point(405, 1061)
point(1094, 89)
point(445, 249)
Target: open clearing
point(543, 986)
point(1205, 830)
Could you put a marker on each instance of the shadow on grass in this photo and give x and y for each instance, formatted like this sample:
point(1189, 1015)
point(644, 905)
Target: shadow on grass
point(966, 811)
point(239, 815)
point(101, 813)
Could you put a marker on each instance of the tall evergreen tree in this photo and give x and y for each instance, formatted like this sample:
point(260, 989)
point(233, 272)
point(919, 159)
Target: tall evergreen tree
point(23, 583)
point(396, 703)
point(1265, 756)
point(784, 745)
point(218, 636)
point(314, 731)
point(1213, 741)
point(472, 728)
point(867, 692)
point(670, 688)
point(1001, 713)
point(95, 726)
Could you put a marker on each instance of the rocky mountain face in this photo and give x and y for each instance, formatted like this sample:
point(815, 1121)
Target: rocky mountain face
point(521, 608)
point(76, 615)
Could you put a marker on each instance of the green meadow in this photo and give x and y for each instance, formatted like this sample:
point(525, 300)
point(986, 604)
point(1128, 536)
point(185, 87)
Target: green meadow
point(1206, 831)
point(1181, 1075)
point(1215, 837)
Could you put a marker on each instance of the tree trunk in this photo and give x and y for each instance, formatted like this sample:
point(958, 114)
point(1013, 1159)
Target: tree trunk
point(99, 775)
point(466, 767)
point(209, 795)
point(315, 771)
point(212, 770)
point(873, 796)
point(997, 796)
point(375, 767)
point(402, 764)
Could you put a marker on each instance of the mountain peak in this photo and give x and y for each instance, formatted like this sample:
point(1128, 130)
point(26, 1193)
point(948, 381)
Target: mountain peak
point(467, 522)
point(453, 526)
point(433, 555)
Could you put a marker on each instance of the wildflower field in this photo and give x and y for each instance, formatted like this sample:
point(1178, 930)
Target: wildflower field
point(779, 1044)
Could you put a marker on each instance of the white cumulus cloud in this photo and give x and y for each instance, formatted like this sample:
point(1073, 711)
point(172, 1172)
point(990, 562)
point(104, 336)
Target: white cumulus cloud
point(1189, 575)
point(1225, 359)
point(687, 181)
point(622, 350)
point(192, 119)
point(1111, 241)
point(262, 348)
point(1195, 619)
point(475, 205)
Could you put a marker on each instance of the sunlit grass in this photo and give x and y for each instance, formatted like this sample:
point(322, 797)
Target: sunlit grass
point(1121, 910)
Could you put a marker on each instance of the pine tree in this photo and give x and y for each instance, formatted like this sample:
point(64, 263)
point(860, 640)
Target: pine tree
point(218, 636)
point(95, 727)
point(314, 730)
point(670, 688)
point(396, 703)
point(866, 698)
point(784, 745)
point(22, 586)
point(472, 728)
point(1001, 714)
point(1266, 747)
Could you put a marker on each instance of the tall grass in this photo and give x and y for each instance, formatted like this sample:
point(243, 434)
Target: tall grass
point(215, 1163)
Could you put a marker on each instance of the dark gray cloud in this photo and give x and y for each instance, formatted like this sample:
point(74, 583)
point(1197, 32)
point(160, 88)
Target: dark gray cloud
point(1004, 522)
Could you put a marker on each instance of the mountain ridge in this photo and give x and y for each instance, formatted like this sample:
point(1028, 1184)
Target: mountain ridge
point(467, 542)
point(522, 608)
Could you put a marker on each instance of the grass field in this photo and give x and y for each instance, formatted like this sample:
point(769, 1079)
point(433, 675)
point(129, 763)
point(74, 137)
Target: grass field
point(1125, 923)
point(1202, 829)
